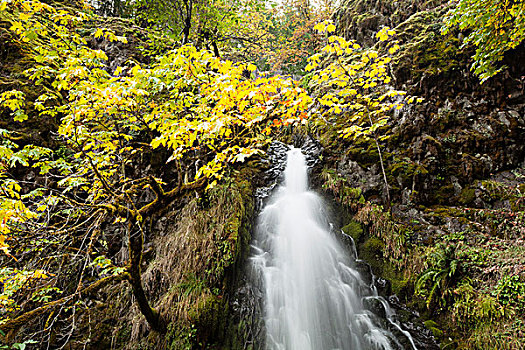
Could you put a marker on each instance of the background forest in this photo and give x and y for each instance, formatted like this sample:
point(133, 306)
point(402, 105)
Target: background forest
point(134, 136)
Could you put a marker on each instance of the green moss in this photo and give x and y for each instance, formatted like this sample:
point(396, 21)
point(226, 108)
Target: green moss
point(425, 54)
point(209, 317)
point(372, 249)
point(180, 337)
point(467, 196)
point(101, 342)
point(494, 191)
point(221, 222)
point(208, 323)
point(400, 286)
point(123, 334)
point(444, 194)
point(434, 327)
point(444, 212)
point(354, 230)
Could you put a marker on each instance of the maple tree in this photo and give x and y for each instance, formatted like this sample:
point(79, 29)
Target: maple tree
point(281, 36)
point(276, 36)
point(202, 111)
point(295, 36)
point(128, 142)
point(204, 23)
point(353, 87)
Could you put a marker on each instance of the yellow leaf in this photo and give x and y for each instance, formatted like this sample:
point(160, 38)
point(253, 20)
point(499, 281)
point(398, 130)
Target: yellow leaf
point(39, 274)
point(122, 39)
point(393, 49)
point(99, 32)
point(119, 219)
point(24, 16)
point(16, 27)
point(320, 27)
point(135, 70)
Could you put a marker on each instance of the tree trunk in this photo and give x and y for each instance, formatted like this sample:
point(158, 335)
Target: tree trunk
point(136, 243)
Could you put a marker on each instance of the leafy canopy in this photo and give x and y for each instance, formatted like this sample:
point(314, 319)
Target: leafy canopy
point(494, 26)
point(281, 35)
point(207, 114)
point(354, 83)
point(353, 86)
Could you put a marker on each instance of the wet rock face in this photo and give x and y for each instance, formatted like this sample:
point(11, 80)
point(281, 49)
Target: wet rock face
point(359, 19)
point(365, 271)
point(422, 336)
point(463, 141)
point(455, 163)
point(376, 306)
point(461, 132)
point(312, 150)
point(276, 162)
point(368, 180)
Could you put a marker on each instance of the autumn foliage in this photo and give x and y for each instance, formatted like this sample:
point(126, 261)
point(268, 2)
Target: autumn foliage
point(204, 113)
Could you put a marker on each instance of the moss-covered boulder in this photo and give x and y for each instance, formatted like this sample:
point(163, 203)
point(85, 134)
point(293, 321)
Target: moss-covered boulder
point(354, 230)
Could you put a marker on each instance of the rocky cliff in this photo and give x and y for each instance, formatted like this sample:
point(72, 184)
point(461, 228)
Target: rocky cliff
point(452, 241)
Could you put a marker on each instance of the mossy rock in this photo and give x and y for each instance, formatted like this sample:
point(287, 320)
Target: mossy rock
point(444, 194)
point(372, 250)
point(360, 19)
point(434, 328)
point(179, 337)
point(400, 286)
point(467, 196)
point(354, 230)
point(209, 317)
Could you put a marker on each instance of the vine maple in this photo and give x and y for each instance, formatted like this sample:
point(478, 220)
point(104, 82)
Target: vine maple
point(353, 84)
point(200, 109)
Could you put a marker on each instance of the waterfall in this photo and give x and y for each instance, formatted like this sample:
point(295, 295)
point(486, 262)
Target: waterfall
point(313, 295)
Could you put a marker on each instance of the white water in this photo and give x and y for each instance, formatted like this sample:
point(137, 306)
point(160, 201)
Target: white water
point(313, 296)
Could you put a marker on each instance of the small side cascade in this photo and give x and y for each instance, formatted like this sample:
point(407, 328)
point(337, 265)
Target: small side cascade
point(387, 311)
point(314, 295)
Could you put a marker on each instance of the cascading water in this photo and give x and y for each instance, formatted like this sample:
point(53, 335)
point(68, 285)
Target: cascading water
point(313, 296)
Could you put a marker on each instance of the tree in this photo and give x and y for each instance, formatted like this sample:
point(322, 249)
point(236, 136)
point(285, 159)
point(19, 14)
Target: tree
point(205, 23)
point(494, 26)
point(353, 88)
point(281, 37)
point(200, 111)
